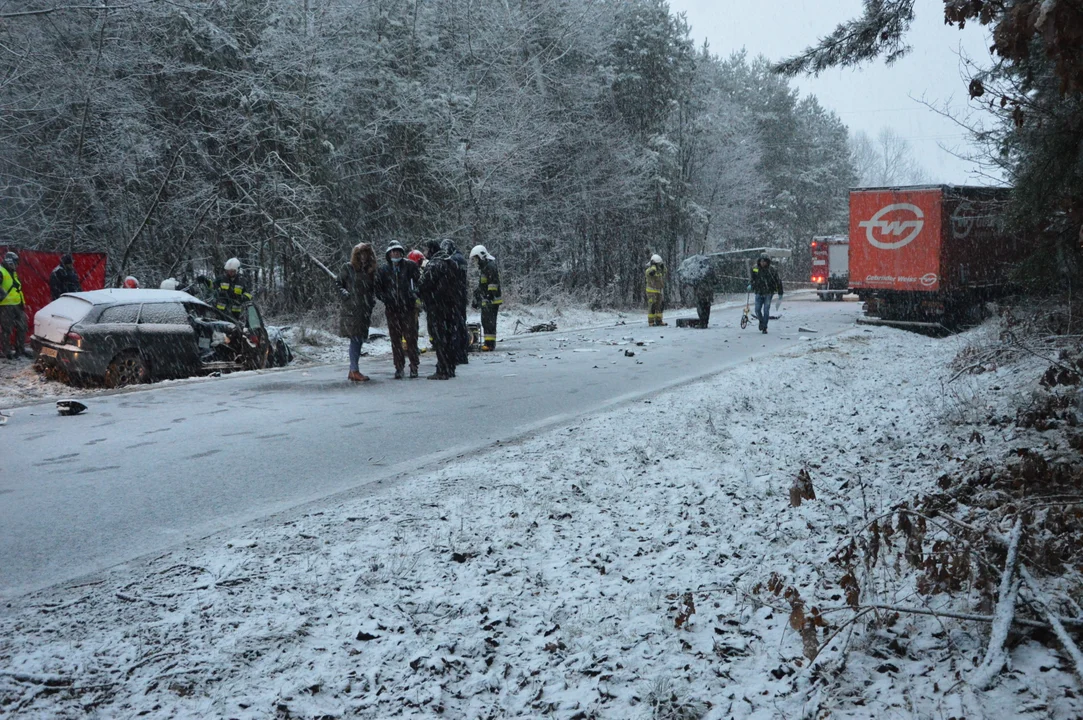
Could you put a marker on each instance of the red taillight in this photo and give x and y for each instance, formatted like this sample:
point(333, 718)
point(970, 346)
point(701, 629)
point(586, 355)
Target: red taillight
point(74, 338)
point(813, 244)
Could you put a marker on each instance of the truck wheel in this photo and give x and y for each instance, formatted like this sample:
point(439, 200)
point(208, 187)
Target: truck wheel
point(127, 369)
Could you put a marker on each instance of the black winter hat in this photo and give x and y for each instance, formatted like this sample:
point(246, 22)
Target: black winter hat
point(66, 260)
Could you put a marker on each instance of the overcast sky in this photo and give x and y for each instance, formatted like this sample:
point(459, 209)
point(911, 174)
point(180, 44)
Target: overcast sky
point(874, 96)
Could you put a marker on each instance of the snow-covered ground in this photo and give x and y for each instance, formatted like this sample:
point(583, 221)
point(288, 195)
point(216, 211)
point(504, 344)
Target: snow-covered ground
point(642, 562)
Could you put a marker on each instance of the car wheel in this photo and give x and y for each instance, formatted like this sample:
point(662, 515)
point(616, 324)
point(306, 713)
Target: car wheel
point(127, 369)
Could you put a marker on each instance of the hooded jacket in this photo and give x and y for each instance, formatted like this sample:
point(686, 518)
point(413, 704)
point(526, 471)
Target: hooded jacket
point(358, 278)
point(440, 287)
point(448, 246)
point(765, 281)
point(397, 283)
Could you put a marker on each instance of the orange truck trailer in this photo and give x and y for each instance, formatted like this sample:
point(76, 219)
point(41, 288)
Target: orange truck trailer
point(930, 255)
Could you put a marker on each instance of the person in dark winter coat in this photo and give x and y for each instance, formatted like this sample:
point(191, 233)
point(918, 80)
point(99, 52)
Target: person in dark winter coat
point(487, 295)
point(440, 290)
point(396, 288)
point(697, 273)
point(64, 279)
point(357, 286)
point(462, 335)
point(764, 283)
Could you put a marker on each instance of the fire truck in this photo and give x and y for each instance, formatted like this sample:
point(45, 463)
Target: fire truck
point(830, 266)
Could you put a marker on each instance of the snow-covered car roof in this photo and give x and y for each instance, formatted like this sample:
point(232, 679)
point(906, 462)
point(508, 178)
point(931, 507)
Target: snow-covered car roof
point(110, 296)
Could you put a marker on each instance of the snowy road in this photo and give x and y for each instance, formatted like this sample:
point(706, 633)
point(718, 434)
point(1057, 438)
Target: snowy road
point(145, 470)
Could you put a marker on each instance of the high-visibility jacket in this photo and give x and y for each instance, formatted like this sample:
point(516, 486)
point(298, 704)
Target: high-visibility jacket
point(11, 289)
point(656, 278)
point(231, 293)
point(488, 293)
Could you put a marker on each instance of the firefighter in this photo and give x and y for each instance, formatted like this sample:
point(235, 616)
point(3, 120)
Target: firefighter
point(231, 290)
point(656, 283)
point(357, 286)
point(12, 309)
point(396, 287)
point(64, 279)
point(440, 290)
point(765, 282)
point(487, 294)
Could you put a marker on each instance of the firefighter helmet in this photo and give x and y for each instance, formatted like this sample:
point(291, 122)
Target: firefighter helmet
point(131, 283)
point(233, 264)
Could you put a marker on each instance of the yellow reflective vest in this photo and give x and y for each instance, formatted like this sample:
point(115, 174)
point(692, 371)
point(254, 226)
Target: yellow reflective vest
point(10, 287)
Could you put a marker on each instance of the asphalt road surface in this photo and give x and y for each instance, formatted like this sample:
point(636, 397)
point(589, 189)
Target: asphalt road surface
point(148, 469)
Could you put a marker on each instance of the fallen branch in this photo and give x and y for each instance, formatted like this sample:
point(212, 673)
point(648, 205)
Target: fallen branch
point(134, 599)
point(46, 680)
point(1025, 622)
point(1058, 626)
point(995, 656)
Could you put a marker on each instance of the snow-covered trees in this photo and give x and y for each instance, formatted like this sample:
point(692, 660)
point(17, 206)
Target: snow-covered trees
point(573, 138)
point(887, 160)
point(1034, 92)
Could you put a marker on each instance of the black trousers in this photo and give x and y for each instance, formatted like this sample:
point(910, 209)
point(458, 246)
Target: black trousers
point(442, 326)
point(703, 309)
point(462, 337)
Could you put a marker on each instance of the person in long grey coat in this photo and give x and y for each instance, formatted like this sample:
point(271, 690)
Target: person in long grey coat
point(357, 286)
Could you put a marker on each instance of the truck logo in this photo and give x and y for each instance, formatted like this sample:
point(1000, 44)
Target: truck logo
point(887, 228)
point(929, 279)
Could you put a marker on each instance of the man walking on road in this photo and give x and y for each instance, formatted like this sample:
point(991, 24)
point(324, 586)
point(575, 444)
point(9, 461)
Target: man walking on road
point(656, 283)
point(487, 296)
point(765, 283)
point(64, 279)
point(12, 309)
point(440, 289)
point(396, 287)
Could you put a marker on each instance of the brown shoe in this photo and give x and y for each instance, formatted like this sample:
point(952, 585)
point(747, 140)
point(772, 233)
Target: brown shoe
point(356, 377)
